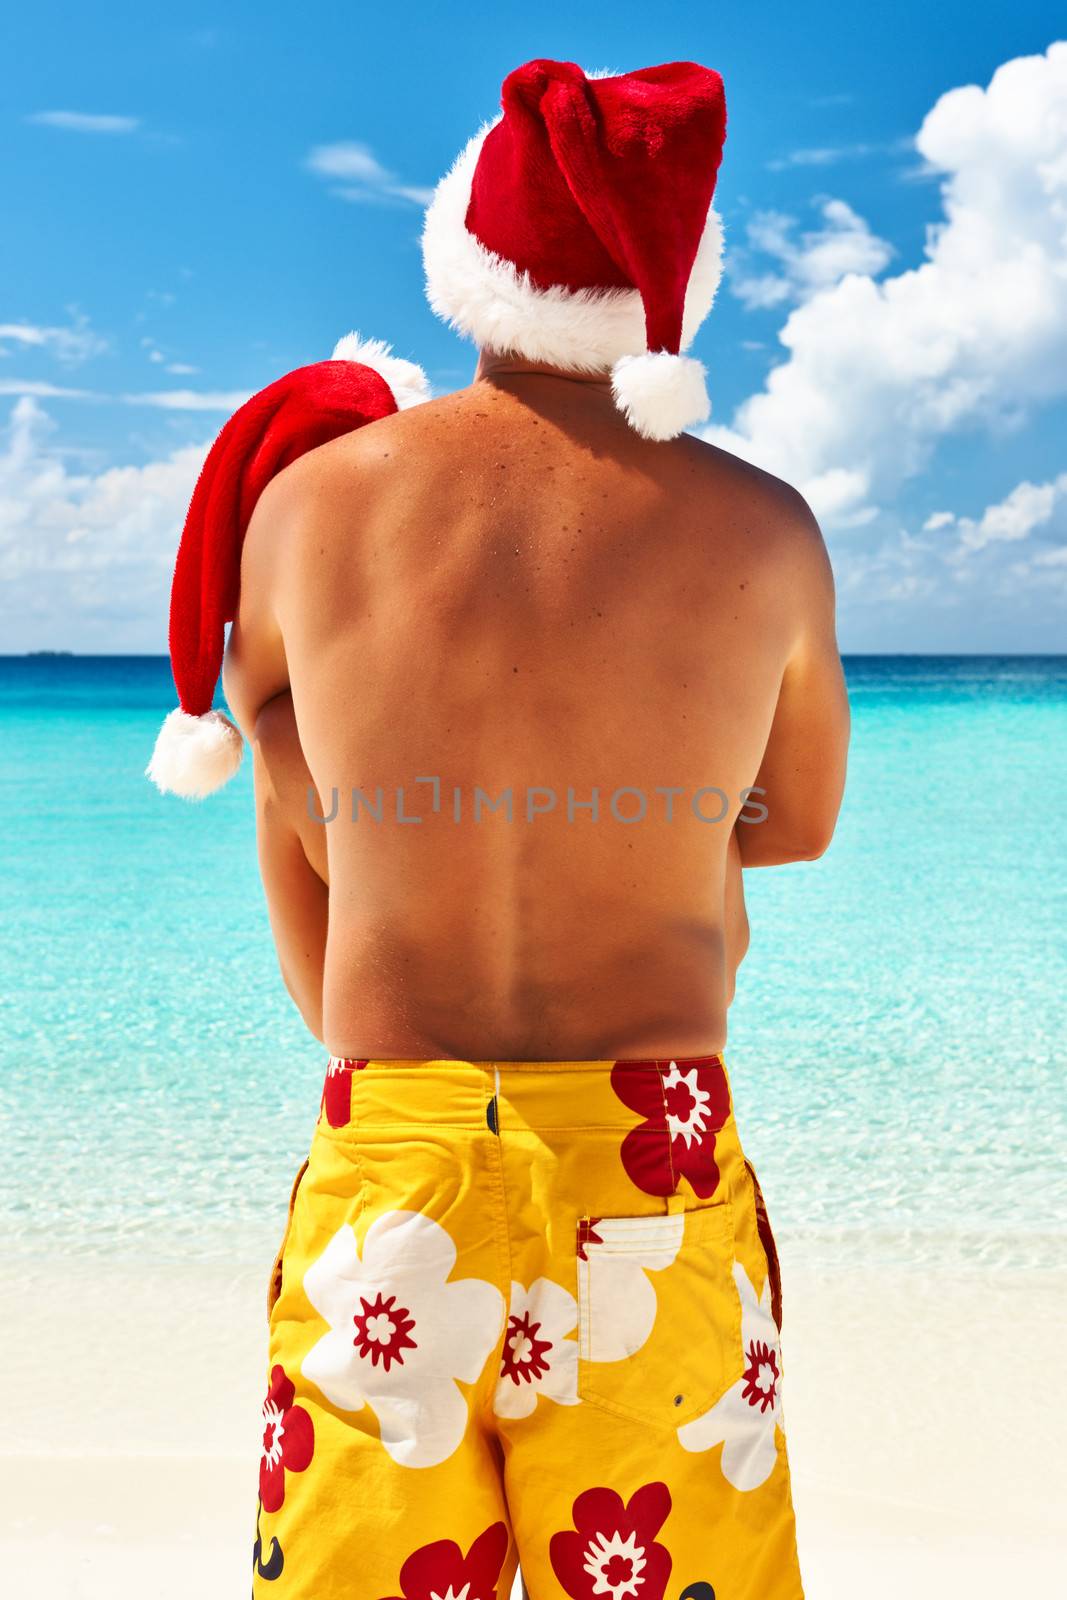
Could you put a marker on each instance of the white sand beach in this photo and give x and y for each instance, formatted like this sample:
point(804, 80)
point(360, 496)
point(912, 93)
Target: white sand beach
point(923, 1417)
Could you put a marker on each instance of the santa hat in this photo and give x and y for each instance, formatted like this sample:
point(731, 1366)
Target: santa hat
point(577, 229)
point(198, 749)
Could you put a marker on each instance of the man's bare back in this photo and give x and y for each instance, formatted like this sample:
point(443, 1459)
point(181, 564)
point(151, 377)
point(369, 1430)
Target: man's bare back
point(508, 590)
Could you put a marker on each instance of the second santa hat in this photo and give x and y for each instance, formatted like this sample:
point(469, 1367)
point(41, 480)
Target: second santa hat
point(198, 749)
point(578, 229)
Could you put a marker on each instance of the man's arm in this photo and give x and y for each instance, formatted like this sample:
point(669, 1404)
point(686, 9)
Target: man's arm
point(292, 864)
point(254, 667)
point(292, 859)
point(803, 766)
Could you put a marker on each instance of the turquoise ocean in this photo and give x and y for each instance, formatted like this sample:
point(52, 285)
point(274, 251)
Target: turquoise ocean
point(898, 1044)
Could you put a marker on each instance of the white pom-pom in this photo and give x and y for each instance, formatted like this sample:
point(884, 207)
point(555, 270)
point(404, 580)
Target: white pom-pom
point(407, 380)
point(194, 756)
point(660, 395)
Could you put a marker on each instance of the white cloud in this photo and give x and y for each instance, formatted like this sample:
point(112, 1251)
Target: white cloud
point(70, 345)
point(416, 193)
point(997, 581)
point(85, 122)
point(353, 162)
point(1029, 506)
point(896, 571)
point(190, 399)
point(974, 337)
point(830, 155)
point(44, 390)
point(160, 399)
point(360, 177)
point(836, 493)
point(85, 558)
point(158, 358)
point(820, 258)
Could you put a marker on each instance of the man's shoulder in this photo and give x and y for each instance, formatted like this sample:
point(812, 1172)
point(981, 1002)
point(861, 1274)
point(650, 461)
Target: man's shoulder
point(348, 467)
point(737, 512)
point(373, 444)
point(751, 488)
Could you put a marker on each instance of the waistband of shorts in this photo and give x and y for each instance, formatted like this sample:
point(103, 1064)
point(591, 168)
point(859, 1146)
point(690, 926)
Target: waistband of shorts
point(670, 1095)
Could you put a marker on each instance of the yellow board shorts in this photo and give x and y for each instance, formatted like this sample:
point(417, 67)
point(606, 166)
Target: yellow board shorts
point(525, 1314)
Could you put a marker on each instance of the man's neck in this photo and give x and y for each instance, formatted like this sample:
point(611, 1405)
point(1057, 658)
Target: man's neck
point(494, 368)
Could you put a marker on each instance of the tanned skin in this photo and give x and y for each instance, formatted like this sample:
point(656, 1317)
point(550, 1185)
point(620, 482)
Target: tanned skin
point(508, 588)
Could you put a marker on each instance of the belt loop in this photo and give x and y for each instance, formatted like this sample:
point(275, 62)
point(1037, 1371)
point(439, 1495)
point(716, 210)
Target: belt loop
point(675, 1202)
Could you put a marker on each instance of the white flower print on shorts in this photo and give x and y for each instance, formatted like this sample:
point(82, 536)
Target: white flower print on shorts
point(400, 1333)
point(538, 1357)
point(744, 1421)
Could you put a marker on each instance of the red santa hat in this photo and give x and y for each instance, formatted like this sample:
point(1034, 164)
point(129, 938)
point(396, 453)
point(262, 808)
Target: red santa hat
point(577, 229)
point(199, 749)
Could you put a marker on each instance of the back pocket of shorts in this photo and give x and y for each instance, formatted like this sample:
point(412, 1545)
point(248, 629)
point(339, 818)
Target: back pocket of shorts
point(659, 1318)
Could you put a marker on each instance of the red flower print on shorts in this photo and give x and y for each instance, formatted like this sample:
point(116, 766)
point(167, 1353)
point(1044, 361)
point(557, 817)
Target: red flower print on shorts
point(288, 1440)
point(524, 1355)
point(337, 1091)
point(441, 1570)
point(383, 1330)
point(684, 1104)
point(761, 1376)
point(613, 1552)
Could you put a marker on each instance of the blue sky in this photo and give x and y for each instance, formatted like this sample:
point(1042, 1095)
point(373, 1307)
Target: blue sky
point(195, 206)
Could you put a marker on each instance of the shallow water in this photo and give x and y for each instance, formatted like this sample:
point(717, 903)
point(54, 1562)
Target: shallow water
point(896, 1045)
